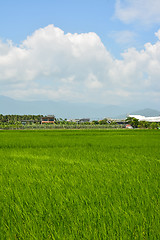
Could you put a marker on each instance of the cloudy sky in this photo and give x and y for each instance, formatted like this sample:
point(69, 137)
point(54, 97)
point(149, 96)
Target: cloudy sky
point(93, 51)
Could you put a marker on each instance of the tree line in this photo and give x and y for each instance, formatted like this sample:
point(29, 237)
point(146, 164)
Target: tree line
point(135, 123)
point(17, 122)
point(18, 118)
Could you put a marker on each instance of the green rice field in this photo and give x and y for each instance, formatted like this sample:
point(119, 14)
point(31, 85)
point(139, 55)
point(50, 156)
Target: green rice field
point(80, 184)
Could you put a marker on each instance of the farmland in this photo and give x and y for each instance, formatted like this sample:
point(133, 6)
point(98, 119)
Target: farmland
point(80, 184)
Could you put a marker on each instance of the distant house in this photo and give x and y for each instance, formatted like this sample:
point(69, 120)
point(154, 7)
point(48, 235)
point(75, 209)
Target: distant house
point(82, 120)
point(48, 119)
point(119, 121)
point(128, 126)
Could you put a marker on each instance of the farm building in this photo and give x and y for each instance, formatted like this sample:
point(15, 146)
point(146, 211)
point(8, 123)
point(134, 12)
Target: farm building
point(48, 119)
point(82, 120)
point(147, 119)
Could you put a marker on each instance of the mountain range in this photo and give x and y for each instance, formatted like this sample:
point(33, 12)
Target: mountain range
point(70, 110)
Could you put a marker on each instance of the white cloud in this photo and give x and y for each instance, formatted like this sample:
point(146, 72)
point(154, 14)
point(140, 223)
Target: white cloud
point(123, 37)
point(145, 11)
point(54, 60)
point(77, 67)
point(158, 34)
point(139, 69)
point(92, 82)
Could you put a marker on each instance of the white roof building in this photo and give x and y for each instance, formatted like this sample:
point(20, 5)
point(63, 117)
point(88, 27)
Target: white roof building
point(147, 119)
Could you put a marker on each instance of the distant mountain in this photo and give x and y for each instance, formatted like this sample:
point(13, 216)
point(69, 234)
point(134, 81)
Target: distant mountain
point(147, 112)
point(59, 109)
point(63, 109)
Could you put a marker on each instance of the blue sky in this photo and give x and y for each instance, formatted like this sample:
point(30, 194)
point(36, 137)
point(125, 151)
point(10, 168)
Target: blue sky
point(21, 18)
point(111, 38)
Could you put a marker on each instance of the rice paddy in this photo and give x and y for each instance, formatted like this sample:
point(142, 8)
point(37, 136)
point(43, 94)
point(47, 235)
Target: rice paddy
point(80, 184)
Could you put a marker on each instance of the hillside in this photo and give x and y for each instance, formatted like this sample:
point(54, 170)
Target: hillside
point(147, 112)
point(69, 109)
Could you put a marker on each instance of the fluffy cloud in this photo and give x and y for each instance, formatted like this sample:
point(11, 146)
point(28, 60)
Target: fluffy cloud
point(145, 11)
point(53, 61)
point(77, 67)
point(138, 68)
